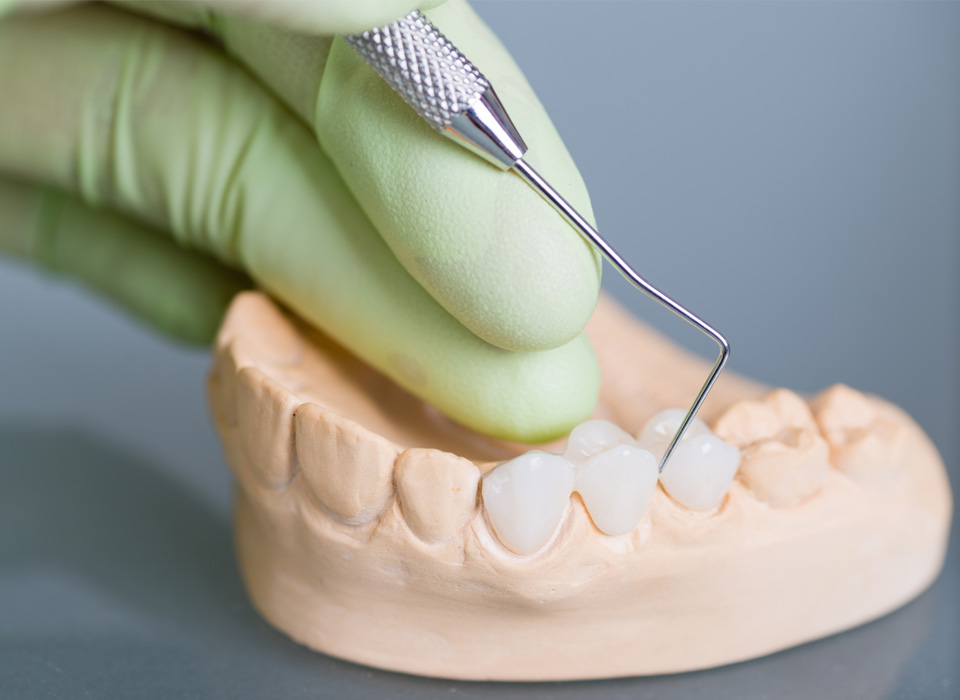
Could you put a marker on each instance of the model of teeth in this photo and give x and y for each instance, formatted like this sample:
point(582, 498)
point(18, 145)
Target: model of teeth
point(360, 530)
point(614, 474)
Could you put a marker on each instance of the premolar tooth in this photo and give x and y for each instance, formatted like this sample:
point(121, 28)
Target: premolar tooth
point(700, 472)
point(437, 491)
point(659, 430)
point(616, 486)
point(593, 437)
point(526, 497)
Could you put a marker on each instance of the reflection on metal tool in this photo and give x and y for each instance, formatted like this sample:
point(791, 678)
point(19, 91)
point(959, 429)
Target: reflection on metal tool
point(455, 99)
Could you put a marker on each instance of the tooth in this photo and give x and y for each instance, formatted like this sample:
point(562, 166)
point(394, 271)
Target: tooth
point(593, 437)
point(222, 384)
point(616, 487)
point(700, 472)
point(230, 357)
point(864, 444)
point(659, 430)
point(265, 423)
point(526, 497)
point(788, 470)
point(748, 421)
point(784, 458)
point(349, 470)
point(215, 401)
point(277, 341)
point(437, 492)
point(234, 451)
point(840, 409)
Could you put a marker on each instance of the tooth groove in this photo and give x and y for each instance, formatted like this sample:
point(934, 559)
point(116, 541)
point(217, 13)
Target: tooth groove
point(349, 470)
point(437, 492)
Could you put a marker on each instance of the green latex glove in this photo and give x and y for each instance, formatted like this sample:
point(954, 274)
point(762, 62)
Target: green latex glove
point(445, 273)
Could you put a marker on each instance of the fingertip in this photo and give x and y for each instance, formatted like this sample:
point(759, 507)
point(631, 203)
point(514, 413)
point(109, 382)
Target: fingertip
point(544, 396)
point(523, 280)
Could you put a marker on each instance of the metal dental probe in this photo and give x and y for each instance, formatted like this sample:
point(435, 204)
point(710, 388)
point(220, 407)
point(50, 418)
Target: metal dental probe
point(450, 93)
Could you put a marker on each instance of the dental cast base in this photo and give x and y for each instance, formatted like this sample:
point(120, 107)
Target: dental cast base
point(615, 475)
point(370, 526)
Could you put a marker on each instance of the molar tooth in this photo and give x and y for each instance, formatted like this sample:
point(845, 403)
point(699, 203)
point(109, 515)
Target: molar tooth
point(788, 470)
point(437, 492)
point(526, 497)
point(349, 470)
point(593, 437)
point(659, 430)
point(748, 421)
point(265, 423)
point(616, 487)
point(700, 472)
point(864, 444)
point(784, 458)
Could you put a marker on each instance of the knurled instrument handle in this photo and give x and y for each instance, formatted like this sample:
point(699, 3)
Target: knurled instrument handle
point(444, 88)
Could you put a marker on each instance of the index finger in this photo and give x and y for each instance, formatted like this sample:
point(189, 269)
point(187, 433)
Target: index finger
point(484, 245)
point(320, 17)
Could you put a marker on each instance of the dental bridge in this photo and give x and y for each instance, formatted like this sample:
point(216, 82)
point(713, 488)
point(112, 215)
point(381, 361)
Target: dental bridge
point(454, 97)
point(615, 475)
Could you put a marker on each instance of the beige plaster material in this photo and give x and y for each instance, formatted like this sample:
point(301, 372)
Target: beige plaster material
point(867, 441)
point(437, 492)
point(783, 457)
point(360, 530)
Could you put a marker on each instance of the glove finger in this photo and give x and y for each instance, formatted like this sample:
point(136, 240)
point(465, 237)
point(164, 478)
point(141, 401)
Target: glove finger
point(143, 118)
point(305, 16)
point(479, 240)
point(179, 292)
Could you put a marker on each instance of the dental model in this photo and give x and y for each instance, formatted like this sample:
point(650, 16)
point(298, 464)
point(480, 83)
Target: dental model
point(370, 527)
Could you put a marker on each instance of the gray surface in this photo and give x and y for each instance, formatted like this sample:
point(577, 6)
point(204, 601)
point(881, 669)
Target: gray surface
point(790, 169)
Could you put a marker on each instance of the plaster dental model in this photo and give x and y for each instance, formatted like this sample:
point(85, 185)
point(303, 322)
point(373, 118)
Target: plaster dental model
point(371, 527)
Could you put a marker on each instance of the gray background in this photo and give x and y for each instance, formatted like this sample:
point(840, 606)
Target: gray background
point(789, 169)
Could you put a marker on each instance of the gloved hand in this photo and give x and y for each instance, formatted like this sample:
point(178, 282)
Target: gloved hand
point(445, 273)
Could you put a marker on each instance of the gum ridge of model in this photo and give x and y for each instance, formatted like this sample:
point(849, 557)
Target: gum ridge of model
point(615, 475)
point(371, 527)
